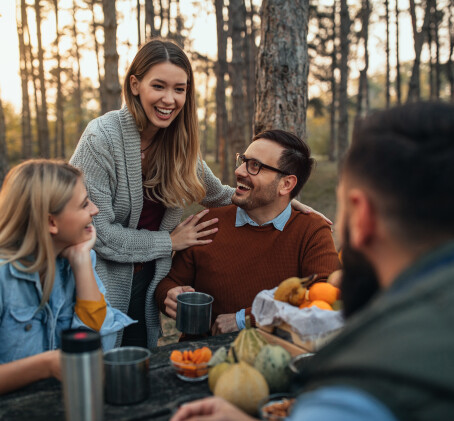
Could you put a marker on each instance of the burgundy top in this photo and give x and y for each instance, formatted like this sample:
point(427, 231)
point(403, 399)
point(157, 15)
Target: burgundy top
point(152, 214)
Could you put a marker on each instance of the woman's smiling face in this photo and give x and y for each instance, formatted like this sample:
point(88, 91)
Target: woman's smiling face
point(162, 93)
point(73, 225)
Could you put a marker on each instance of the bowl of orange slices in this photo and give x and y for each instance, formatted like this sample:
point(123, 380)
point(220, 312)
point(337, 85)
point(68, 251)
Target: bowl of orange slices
point(191, 365)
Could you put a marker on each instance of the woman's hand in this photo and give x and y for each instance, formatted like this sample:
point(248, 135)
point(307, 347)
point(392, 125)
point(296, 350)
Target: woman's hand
point(189, 232)
point(79, 252)
point(19, 373)
point(79, 259)
point(307, 209)
point(213, 409)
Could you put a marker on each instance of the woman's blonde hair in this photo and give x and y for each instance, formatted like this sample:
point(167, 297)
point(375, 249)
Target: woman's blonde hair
point(31, 192)
point(175, 151)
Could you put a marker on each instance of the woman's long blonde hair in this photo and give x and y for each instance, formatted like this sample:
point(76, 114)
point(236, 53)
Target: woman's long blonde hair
point(31, 192)
point(173, 158)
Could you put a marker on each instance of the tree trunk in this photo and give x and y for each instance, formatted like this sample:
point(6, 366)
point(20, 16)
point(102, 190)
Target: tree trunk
point(4, 164)
point(25, 77)
point(60, 121)
point(343, 95)
point(222, 148)
point(111, 82)
point(436, 21)
point(333, 84)
point(150, 30)
point(78, 90)
point(250, 51)
point(282, 67)
point(362, 105)
point(388, 77)
point(398, 87)
point(414, 92)
point(236, 69)
point(94, 25)
point(44, 147)
point(139, 40)
point(450, 63)
point(30, 59)
point(178, 36)
point(161, 18)
point(431, 53)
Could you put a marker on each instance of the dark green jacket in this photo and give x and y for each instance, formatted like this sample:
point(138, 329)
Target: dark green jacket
point(400, 349)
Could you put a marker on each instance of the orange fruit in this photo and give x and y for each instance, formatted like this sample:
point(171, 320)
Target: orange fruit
point(324, 292)
point(320, 304)
point(304, 304)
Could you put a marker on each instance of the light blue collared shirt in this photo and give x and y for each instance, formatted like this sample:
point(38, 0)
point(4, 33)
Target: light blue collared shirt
point(242, 218)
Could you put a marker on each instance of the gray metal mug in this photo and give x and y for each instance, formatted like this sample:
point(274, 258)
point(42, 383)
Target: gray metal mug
point(126, 375)
point(194, 312)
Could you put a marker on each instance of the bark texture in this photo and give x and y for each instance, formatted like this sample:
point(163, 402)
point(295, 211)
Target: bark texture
point(237, 132)
point(43, 126)
point(221, 109)
point(26, 125)
point(282, 67)
point(362, 105)
point(78, 78)
point(343, 95)
point(59, 145)
point(111, 82)
point(419, 37)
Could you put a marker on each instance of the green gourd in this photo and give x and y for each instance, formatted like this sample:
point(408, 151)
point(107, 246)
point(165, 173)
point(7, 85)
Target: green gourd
point(272, 361)
point(218, 357)
point(247, 344)
point(243, 386)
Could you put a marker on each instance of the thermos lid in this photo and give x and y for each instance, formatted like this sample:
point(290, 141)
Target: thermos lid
point(75, 341)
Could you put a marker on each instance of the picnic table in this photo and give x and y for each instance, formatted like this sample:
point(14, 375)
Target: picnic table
point(43, 401)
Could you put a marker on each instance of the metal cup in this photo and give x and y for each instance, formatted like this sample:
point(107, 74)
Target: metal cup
point(126, 375)
point(194, 312)
point(299, 364)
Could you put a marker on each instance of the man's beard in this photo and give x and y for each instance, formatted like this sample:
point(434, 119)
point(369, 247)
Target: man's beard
point(258, 196)
point(359, 280)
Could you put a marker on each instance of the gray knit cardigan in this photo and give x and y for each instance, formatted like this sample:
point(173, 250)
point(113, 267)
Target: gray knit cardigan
point(109, 155)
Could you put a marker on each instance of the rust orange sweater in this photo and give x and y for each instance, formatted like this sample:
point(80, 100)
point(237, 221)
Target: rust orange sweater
point(242, 261)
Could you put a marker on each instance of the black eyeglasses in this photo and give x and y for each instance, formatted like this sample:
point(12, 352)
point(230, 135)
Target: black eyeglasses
point(253, 166)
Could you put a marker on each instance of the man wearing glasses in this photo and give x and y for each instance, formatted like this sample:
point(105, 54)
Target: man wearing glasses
point(261, 240)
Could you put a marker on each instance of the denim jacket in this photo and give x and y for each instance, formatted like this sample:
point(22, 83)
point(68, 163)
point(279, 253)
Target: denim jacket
point(26, 329)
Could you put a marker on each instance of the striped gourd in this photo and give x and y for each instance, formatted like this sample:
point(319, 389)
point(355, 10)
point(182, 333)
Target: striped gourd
point(272, 361)
point(247, 344)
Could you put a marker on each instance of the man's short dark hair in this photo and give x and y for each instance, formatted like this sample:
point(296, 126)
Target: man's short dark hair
point(406, 156)
point(295, 158)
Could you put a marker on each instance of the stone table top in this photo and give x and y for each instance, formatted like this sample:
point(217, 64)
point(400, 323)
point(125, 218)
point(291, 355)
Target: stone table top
point(43, 401)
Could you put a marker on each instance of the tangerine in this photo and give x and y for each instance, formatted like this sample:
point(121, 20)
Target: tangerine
point(304, 304)
point(324, 292)
point(320, 304)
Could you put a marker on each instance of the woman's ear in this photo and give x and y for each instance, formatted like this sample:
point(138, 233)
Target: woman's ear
point(134, 83)
point(53, 228)
point(287, 184)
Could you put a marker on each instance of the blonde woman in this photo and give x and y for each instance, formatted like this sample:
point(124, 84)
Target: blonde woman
point(47, 277)
point(142, 166)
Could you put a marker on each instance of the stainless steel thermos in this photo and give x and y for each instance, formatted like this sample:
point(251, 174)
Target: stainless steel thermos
point(82, 375)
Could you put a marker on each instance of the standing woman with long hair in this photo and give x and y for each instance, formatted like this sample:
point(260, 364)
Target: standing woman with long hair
point(143, 166)
point(47, 277)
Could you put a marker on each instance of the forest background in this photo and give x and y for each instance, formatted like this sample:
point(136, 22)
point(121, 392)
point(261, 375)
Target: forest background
point(358, 55)
point(310, 67)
